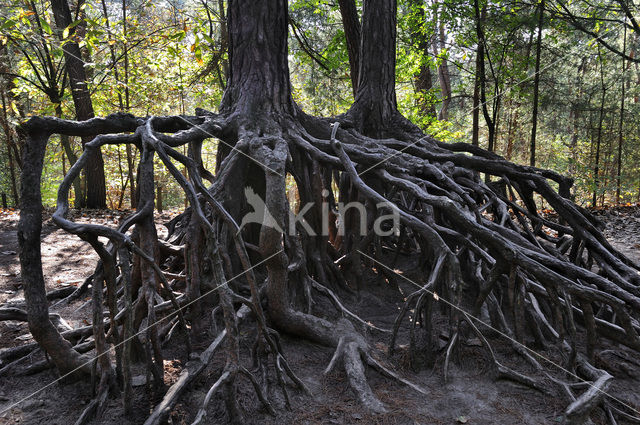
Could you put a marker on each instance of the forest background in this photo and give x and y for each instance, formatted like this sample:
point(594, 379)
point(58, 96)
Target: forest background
point(550, 82)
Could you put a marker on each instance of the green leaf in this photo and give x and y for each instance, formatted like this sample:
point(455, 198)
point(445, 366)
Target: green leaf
point(46, 26)
point(7, 24)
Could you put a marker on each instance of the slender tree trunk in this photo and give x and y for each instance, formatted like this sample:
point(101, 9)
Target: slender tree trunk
point(123, 102)
point(13, 139)
point(12, 175)
point(65, 141)
point(596, 167)
point(352, 33)
point(620, 134)
point(95, 179)
point(126, 60)
point(9, 142)
point(224, 41)
point(444, 77)
point(112, 53)
point(127, 106)
point(513, 125)
point(480, 18)
point(536, 85)
point(159, 203)
point(423, 80)
point(575, 118)
point(475, 132)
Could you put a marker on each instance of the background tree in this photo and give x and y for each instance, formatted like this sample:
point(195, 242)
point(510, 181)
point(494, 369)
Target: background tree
point(475, 246)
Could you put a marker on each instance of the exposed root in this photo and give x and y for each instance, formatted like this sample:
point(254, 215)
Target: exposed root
point(483, 247)
point(191, 371)
point(579, 410)
point(224, 379)
point(355, 373)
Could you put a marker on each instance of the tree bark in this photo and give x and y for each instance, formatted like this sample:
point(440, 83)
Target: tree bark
point(444, 77)
point(596, 166)
point(72, 157)
point(536, 85)
point(423, 80)
point(96, 192)
point(475, 126)
point(29, 230)
point(9, 137)
point(259, 75)
point(620, 134)
point(352, 34)
point(481, 16)
point(375, 104)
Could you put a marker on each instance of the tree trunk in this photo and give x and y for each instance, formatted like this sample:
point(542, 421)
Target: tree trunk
point(513, 128)
point(71, 156)
point(123, 102)
point(159, 204)
point(423, 79)
point(481, 16)
point(259, 75)
point(536, 85)
point(444, 77)
point(29, 230)
point(620, 134)
point(95, 179)
point(475, 126)
point(596, 166)
point(352, 31)
point(9, 135)
point(375, 104)
point(478, 240)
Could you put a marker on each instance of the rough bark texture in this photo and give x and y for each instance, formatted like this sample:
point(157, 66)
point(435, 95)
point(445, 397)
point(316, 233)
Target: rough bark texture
point(95, 193)
point(482, 248)
point(352, 34)
point(29, 229)
point(375, 104)
point(259, 76)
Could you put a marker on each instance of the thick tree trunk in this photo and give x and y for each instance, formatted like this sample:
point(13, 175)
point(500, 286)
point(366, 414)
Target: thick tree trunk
point(259, 76)
point(95, 193)
point(352, 34)
point(375, 104)
point(29, 230)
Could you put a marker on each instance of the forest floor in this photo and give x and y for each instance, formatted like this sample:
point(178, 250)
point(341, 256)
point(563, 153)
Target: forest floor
point(470, 395)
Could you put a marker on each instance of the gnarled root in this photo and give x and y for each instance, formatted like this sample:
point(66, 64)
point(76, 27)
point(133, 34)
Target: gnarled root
point(486, 249)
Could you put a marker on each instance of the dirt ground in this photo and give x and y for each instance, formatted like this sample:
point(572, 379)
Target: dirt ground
point(470, 396)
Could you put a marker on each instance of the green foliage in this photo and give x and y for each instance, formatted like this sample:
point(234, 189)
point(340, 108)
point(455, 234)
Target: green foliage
point(177, 61)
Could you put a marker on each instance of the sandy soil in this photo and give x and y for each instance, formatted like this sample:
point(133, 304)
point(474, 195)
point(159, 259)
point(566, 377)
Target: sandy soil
point(471, 395)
